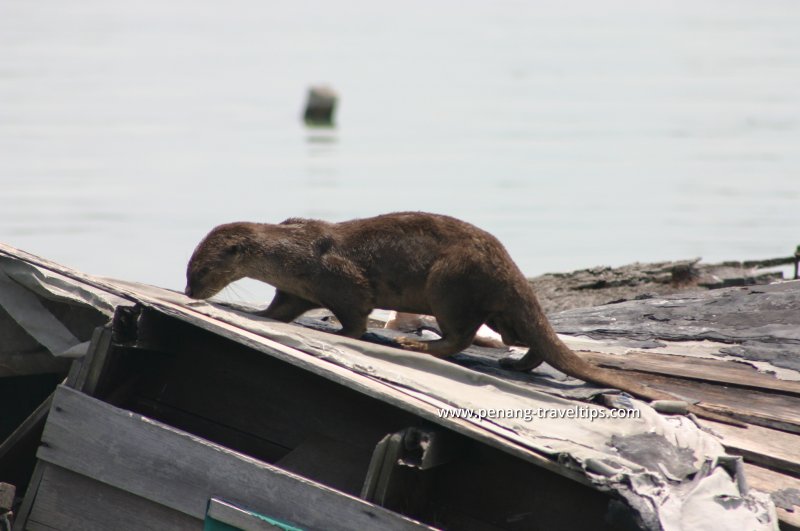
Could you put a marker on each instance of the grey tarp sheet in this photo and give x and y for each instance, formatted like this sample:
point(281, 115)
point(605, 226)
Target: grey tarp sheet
point(22, 289)
point(676, 475)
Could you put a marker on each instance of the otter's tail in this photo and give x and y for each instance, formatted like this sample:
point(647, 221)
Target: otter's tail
point(545, 345)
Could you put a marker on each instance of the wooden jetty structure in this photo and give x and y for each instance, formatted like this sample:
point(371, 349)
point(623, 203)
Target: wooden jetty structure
point(128, 406)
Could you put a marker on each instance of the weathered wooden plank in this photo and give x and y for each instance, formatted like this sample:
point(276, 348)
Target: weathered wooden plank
point(773, 482)
point(254, 394)
point(27, 363)
point(214, 431)
point(709, 370)
point(36, 526)
point(67, 500)
point(384, 460)
point(183, 472)
point(30, 497)
point(230, 514)
point(334, 463)
point(757, 415)
point(87, 373)
point(777, 411)
point(38, 261)
point(770, 448)
point(25, 431)
point(770, 481)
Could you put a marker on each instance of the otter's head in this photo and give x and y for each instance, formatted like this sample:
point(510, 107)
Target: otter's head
point(217, 261)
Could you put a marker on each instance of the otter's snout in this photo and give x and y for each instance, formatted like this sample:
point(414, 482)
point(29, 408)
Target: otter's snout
point(199, 291)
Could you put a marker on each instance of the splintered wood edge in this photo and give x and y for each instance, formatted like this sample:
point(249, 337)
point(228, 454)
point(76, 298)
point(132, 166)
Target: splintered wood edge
point(769, 481)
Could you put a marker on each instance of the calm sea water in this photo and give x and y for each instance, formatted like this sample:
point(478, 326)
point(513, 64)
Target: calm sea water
point(580, 133)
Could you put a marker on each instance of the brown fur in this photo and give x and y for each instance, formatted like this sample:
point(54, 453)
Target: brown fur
point(408, 262)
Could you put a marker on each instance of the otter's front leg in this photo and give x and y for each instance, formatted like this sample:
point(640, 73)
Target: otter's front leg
point(344, 290)
point(352, 318)
point(287, 307)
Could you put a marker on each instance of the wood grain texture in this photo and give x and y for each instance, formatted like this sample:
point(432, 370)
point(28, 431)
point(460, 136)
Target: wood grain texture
point(230, 514)
point(30, 495)
point(27, 431)
point(770, 481)
point(770, 448)
point(87, 373)
point(777, 411)
point(183, 472)
point(694, 368)
point(67, 500)
point(27, 363)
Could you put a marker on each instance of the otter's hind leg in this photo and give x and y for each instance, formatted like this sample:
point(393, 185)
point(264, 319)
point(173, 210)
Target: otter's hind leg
point(287, 307)
point(529, 361)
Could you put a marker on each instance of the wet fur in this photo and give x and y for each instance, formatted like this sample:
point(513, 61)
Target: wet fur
point(407, 262)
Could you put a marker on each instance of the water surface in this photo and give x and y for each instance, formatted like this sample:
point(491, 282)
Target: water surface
point(580, 133)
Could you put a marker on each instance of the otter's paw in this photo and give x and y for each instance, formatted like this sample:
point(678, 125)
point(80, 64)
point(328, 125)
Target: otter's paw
point(410, 344)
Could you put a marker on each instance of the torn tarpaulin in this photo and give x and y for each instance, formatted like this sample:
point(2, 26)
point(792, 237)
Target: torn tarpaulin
point(50, 310)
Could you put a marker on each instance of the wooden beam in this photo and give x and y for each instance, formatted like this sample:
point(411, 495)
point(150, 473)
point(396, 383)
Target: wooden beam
point(228, 513)
point(777, 411)
point(769, 448)
point(30, 497)
point(702, 369)
point(771, 482)
point(67, 500)
point(29, 363)
point(24, 431)
point(87, 373)
point(182, 472)
point(328, 461)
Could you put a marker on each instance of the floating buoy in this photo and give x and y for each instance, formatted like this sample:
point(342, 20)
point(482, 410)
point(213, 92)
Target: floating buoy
point(320, 106)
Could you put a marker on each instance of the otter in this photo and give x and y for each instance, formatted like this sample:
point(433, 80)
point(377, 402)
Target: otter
point(408, 262)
